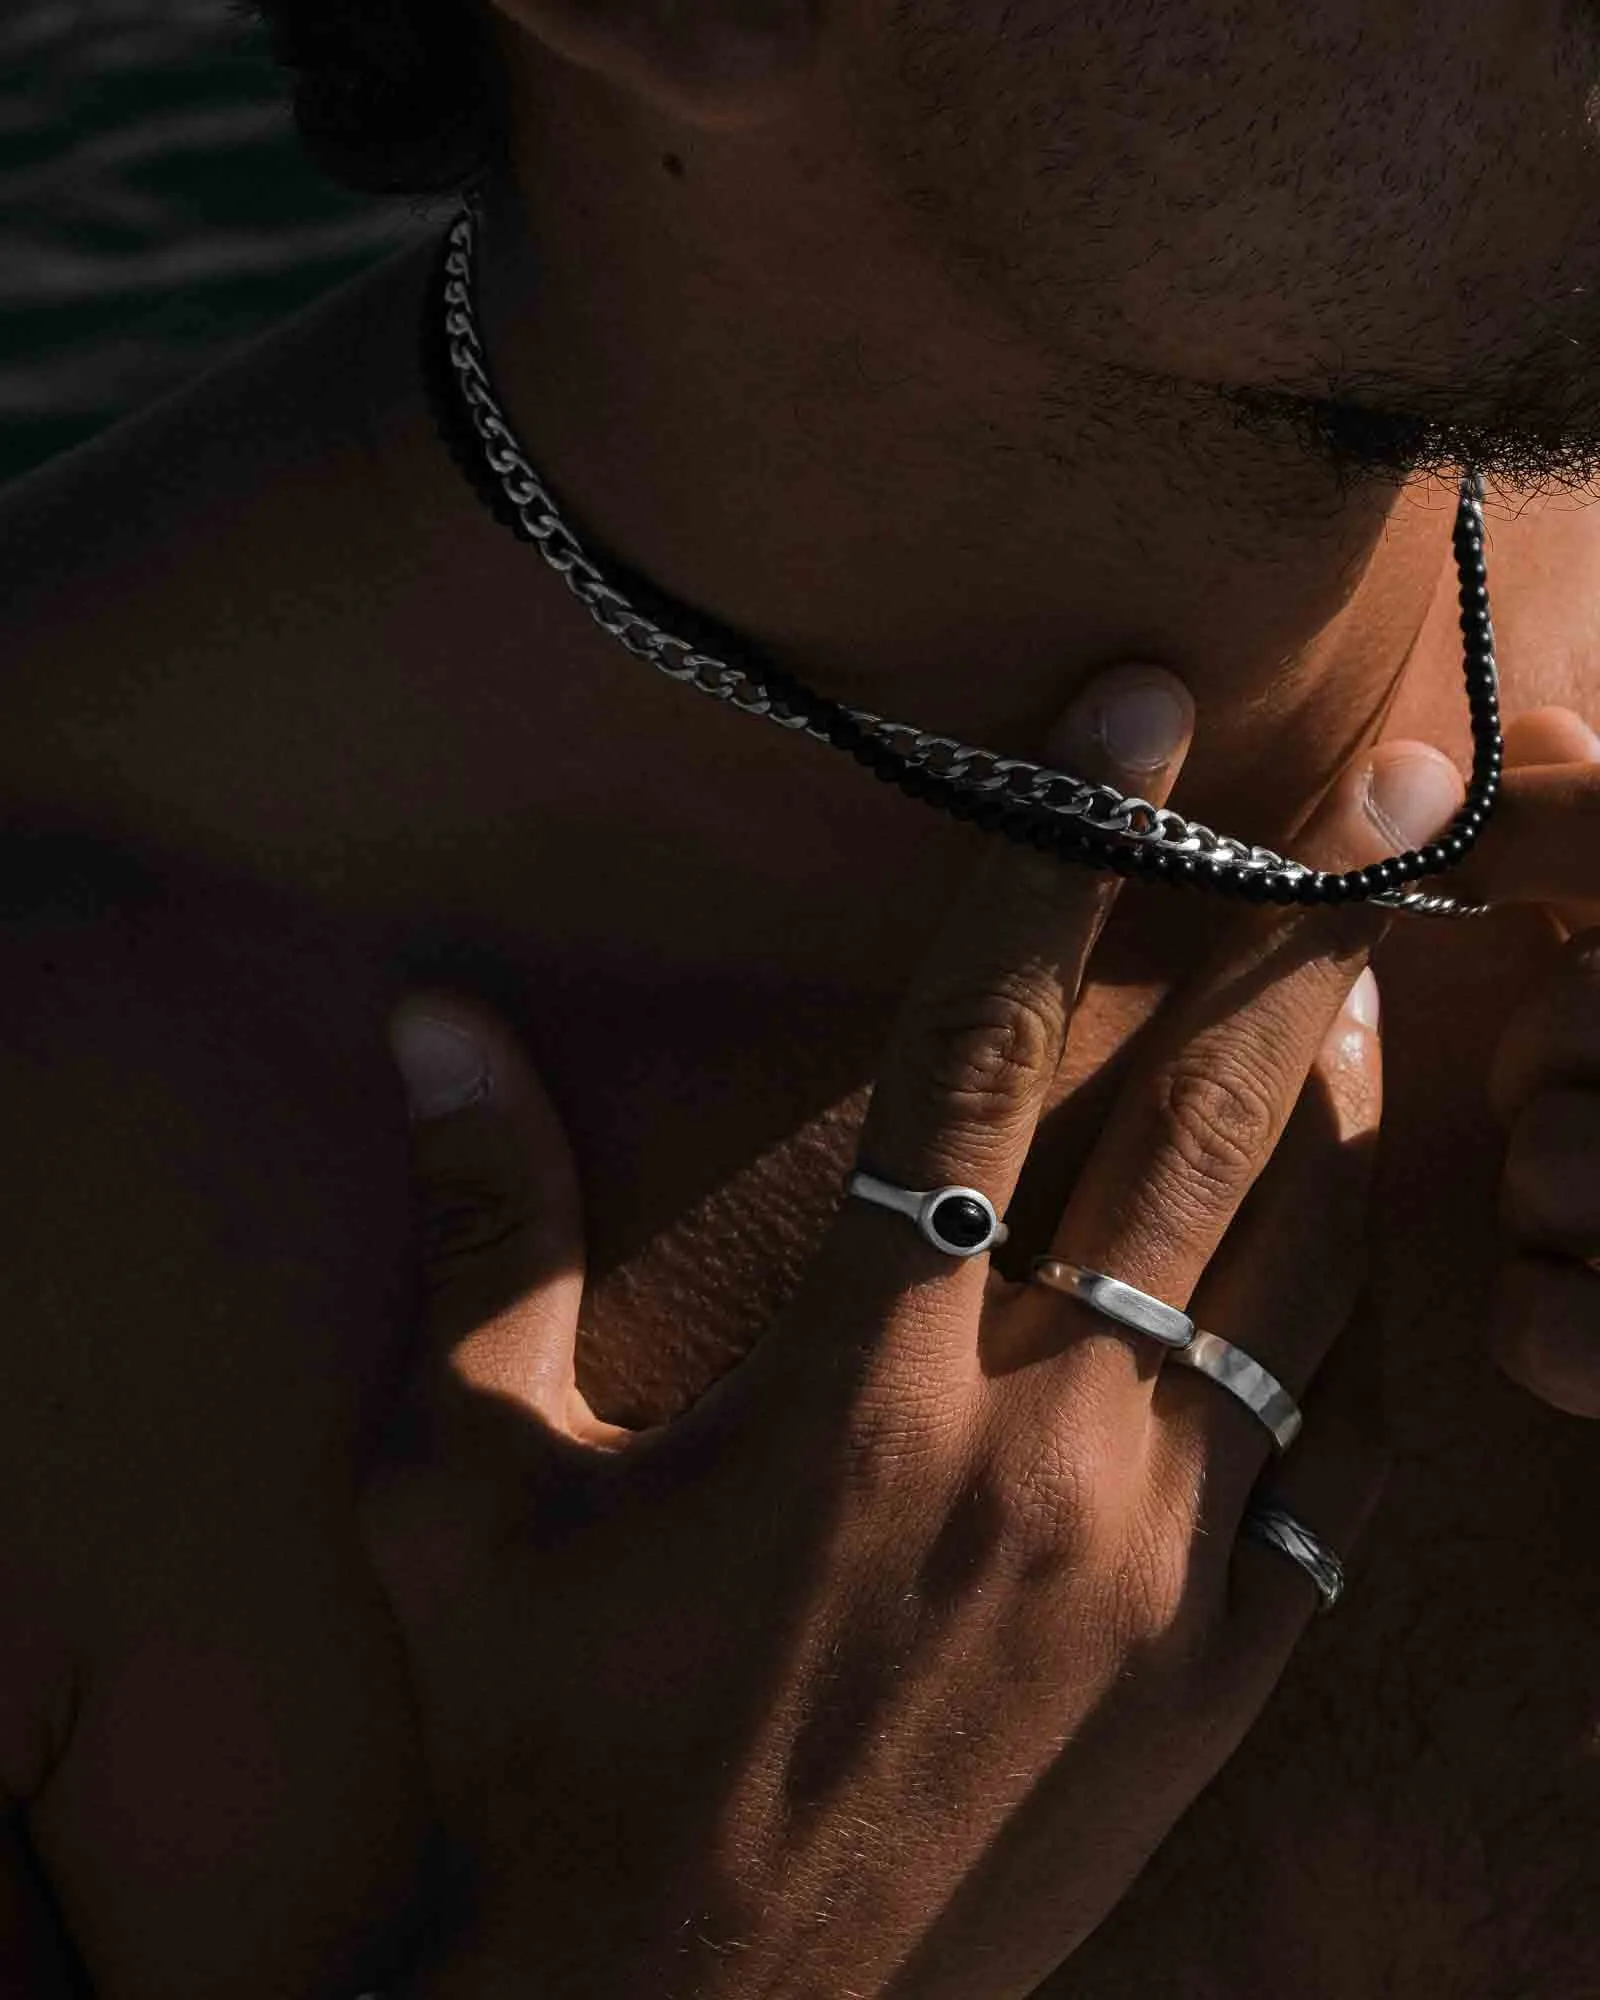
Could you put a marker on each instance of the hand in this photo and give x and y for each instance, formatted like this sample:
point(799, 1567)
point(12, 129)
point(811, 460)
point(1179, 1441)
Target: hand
point(884, 1668)
point(1545, 1082)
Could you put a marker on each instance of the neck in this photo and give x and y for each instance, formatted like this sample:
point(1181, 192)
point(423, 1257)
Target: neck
point(792, 420)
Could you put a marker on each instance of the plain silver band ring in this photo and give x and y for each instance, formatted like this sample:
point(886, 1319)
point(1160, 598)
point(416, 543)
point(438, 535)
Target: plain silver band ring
point(959, 1221)
point(1279, 1530)
point(1139, 1311)
point(1262, 1394)
point(1244, 1378)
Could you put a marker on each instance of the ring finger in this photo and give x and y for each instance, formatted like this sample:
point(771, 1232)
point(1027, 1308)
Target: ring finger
point(1204, 1111)
point(1287, 1279)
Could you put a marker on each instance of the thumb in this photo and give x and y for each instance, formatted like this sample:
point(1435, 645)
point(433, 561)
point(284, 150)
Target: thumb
point(497, 1216)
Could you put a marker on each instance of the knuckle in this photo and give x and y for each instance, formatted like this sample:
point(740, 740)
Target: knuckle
point(981, 1050)
point(1218, 1122)
point(1056, 1502)
point(1156, 1589)
point(464, 1218)
point(1051, 1509)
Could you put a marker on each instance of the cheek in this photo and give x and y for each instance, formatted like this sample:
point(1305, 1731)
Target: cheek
point(1240, 193)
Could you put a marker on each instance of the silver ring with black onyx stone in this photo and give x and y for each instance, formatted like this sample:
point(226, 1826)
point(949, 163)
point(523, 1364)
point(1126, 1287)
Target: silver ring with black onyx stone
point(958, 1221)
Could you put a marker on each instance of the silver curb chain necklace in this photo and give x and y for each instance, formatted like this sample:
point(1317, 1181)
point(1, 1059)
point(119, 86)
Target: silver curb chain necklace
point(1093, 824)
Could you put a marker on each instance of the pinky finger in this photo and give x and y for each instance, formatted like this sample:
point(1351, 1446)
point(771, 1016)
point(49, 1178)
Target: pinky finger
point(1331, 1482)
point(1547, 1331)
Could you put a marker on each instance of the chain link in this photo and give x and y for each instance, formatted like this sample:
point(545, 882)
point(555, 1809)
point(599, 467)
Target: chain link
point(1100, 809)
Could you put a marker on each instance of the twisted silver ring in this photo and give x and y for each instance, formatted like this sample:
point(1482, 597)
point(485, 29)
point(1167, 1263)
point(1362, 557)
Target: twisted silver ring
point(959, 1221)
point(1278, 1529)
point(1244, 1378)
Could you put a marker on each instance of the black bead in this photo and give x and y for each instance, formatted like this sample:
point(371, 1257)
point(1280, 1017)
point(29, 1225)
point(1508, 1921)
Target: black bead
point(1409, 867)
point(960, 1220)
point(1355, 885)
point(1455, 848)
point(1282, 888)
point(1380, 875)
point(1180, 867)
point(1255, 886)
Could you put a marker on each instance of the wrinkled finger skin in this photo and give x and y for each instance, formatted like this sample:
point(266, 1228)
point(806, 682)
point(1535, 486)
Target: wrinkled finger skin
point(885, 1667)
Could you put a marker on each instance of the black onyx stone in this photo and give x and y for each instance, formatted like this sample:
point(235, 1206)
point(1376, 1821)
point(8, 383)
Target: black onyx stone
point(961, 1220)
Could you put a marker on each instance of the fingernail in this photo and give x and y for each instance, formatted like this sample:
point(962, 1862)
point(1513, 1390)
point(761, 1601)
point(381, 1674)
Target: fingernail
point(444, 1067)
point(1362, 1003)
point(1138, 718)
point(1412, 795)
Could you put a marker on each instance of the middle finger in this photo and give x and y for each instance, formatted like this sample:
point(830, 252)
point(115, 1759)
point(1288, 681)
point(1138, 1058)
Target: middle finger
point(1197, 1122)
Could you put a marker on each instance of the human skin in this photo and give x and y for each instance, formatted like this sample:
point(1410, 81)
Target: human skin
point(266, 632)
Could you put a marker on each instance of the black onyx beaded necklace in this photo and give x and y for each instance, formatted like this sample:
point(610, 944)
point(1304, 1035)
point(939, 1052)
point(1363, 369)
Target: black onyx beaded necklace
point(1051, 810)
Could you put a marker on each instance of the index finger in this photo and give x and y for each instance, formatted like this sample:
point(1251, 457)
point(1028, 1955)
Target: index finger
point(982, 1028)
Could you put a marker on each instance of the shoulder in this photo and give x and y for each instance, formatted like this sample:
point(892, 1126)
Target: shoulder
point(173, 579)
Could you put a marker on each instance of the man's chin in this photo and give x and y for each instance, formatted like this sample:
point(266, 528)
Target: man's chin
point(1531, 445)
